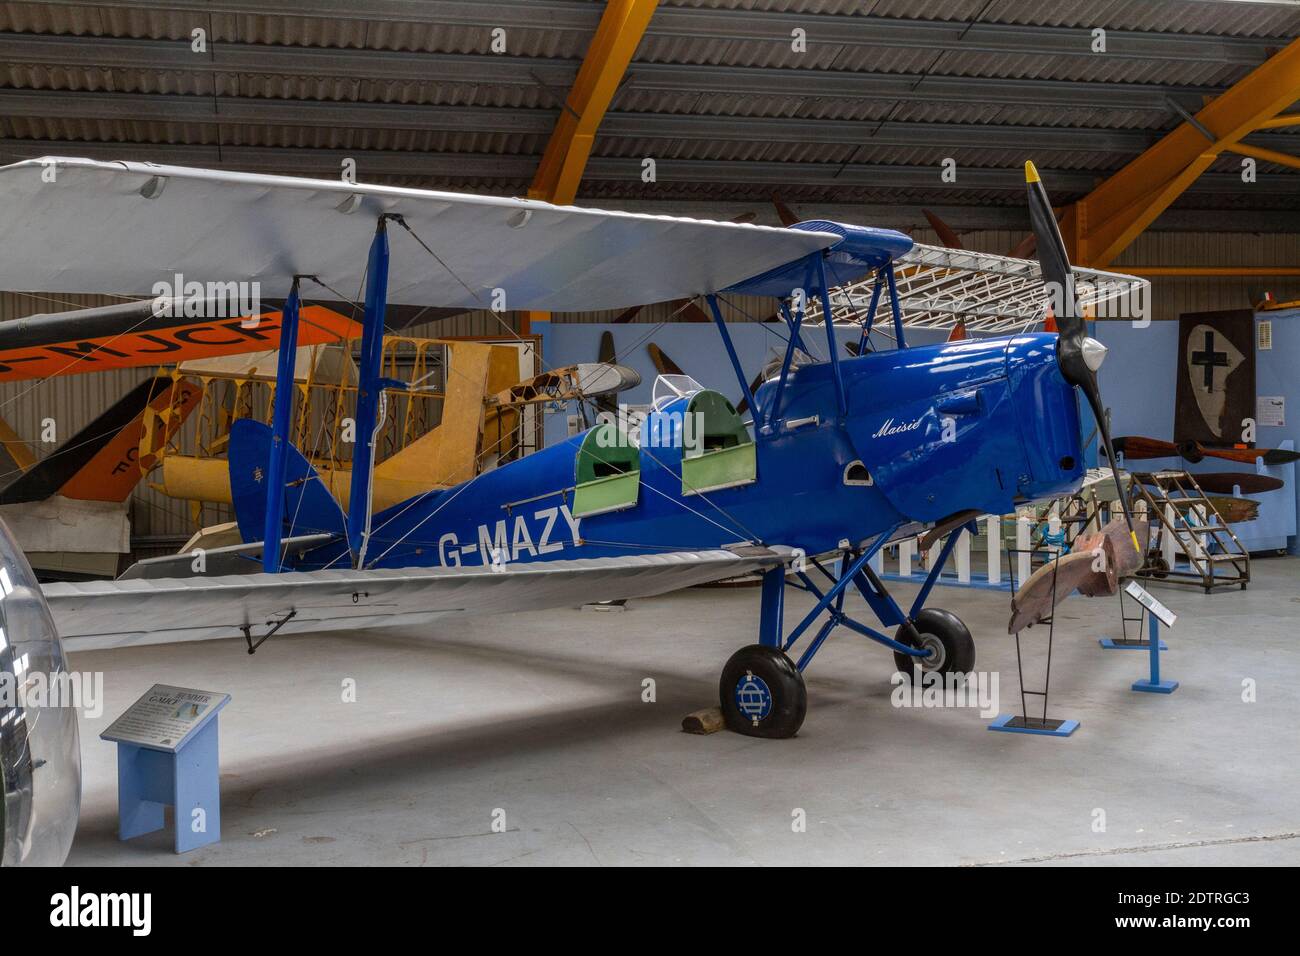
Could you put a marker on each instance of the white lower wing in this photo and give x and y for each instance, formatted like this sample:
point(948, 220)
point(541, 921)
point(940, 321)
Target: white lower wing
point(99, 614)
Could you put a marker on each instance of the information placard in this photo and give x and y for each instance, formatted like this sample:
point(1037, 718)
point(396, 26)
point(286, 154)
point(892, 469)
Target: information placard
point(164, 716)
point(1148, 601)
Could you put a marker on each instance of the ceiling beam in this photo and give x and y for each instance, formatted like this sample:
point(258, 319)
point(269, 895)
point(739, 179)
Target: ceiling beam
point(1268, 155)
point(580, 16)
point(1107, 220)
point(520, 168)
point(334, 114)
point(622, 25)
point(500, 70)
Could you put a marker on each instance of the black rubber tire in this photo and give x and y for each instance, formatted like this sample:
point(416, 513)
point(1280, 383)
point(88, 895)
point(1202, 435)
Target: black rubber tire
point(1157, 566)
point(784, 685)
point(958, 645)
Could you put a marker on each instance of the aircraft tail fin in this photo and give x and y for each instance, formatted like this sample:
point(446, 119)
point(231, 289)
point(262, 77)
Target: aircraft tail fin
point(105, 461)
point(309, 508)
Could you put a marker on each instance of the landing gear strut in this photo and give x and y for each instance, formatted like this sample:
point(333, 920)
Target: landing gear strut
point(762, 692)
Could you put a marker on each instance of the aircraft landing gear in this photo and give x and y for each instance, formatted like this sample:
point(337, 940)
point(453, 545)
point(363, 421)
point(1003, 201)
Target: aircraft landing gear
point(942, 633)
point(762, 693)
point(762, 690)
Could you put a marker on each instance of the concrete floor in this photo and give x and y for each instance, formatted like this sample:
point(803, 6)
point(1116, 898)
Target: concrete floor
point(540, 716)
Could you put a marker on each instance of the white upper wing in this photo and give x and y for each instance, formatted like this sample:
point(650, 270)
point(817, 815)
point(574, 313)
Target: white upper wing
point(81, 225)
point(97, 614)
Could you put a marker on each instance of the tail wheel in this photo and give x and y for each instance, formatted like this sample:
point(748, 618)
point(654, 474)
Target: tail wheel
point(762, 693)
point(952, 649)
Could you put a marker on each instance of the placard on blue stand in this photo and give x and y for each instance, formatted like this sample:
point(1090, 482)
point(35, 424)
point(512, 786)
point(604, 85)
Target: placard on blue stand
point(1157, 613)
point(167, 755)
point(1153, 684)
point(1124, 642)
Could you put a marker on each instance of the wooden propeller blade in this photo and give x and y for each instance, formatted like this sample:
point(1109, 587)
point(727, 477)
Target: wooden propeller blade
point(1138, 448)
point(946, 233)
point(787, 215)
point(1025, 247)
point(663, 364)
point(1270, 456)
point(690, 312)
point(1223, 482)
point(958, 333)
point(1097, 562)
point(607, 354)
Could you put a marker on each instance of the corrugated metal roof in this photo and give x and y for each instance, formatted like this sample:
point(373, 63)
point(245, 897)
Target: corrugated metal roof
point(435, 58)
point(1223, 18)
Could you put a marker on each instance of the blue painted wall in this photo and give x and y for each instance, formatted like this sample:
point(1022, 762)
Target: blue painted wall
point(1138, 382)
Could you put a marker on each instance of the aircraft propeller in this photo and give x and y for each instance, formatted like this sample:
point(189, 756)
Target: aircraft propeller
point(1078, 355)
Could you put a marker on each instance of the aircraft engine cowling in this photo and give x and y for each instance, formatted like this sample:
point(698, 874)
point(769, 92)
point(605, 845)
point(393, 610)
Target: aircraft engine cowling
point(978, 425)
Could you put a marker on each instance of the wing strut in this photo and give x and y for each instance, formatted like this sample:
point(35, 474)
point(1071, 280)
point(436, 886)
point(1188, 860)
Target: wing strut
point(368, 388)
point(731, 354)
point(281, 427)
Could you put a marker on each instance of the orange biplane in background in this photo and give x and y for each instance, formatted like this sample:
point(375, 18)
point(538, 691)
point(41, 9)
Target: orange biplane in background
point(454, 409)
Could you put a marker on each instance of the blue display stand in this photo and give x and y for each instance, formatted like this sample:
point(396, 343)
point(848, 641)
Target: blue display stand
point(1154, 685)
point(1015, 724)
point(1113, 644)
point(157, 766)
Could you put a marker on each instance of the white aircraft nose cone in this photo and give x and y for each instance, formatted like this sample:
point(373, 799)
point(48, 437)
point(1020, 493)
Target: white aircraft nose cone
point(1094, 353)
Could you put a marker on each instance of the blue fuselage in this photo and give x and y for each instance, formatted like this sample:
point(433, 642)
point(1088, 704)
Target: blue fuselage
point(981, 424)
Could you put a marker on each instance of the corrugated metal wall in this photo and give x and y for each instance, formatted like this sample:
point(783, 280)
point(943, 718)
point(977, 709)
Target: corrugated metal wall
point(72, 402)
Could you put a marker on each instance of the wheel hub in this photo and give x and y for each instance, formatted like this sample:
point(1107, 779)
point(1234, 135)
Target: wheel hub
point(753, 697)
point(937, 656)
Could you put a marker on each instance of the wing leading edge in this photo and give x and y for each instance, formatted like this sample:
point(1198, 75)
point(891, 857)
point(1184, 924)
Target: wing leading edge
point(122, 227)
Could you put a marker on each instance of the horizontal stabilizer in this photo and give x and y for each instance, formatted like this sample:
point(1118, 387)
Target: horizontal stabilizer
point(103, 461)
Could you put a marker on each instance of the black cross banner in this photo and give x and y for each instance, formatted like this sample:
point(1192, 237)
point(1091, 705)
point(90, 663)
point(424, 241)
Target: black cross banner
point(1216, 355)
point(1210, 359)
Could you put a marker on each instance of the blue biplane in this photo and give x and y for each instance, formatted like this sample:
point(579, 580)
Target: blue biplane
point(841, 457)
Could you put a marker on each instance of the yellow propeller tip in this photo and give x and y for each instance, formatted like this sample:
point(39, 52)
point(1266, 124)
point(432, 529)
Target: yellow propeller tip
point(1031, 172)
point(1136, 547)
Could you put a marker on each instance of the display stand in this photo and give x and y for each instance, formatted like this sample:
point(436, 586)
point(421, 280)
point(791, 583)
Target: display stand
point(167, 755)
point(1022, 723)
